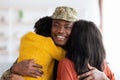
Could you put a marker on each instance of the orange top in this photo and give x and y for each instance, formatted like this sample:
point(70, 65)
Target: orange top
point(108, 72)
point(66, 71)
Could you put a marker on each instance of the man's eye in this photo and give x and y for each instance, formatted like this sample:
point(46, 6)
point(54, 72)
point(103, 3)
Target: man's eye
point(68, 27)
point(55, 25)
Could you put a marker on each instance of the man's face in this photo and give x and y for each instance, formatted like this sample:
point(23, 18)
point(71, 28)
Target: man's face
point(61, 30)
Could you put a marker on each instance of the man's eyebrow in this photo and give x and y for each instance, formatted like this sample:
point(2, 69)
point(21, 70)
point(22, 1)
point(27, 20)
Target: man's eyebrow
point(55, 21)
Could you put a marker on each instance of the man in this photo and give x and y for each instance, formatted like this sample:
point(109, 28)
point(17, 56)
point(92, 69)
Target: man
point(63, 19)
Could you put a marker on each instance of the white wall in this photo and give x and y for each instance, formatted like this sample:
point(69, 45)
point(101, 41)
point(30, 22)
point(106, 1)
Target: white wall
point(111, 33)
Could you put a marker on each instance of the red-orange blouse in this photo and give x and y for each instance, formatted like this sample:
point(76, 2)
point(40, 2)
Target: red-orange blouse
point(66, 71)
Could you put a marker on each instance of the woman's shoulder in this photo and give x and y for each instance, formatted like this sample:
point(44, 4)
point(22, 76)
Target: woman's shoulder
point(108, 71)
point(66, 61)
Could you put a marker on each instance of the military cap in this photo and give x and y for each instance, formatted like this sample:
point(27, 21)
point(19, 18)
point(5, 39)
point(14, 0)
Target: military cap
point(65, 13)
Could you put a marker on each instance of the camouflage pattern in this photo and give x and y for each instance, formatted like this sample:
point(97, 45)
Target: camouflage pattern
point(6, 75)
point(65, 13)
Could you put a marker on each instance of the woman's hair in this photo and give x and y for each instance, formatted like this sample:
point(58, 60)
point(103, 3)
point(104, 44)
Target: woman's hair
point(85, 46)
point(43, 26)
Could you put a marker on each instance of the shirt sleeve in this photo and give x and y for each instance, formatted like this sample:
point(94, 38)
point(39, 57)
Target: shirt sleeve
point(66, 70)
point(55, 51)
point(108, 72)
point(7, 73)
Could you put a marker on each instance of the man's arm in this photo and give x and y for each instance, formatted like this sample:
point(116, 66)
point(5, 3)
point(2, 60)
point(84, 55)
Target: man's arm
point(7, 73)
point(24, 68)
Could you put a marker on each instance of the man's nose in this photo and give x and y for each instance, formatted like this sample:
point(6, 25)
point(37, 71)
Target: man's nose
point(61, 30)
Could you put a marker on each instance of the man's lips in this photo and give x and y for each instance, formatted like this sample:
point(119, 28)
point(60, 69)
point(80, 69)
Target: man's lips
point(60, 38)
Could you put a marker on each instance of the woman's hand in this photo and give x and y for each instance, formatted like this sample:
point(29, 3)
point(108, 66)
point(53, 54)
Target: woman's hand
point(93, 74)
point(27, 68)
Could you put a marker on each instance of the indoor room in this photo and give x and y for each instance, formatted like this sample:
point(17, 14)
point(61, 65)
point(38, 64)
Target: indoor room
point(17, 17)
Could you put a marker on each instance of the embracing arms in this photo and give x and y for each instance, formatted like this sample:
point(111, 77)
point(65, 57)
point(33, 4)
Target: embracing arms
point(24, 68)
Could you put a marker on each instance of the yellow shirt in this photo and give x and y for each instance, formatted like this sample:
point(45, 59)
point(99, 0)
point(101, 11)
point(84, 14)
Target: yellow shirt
point(42, 50)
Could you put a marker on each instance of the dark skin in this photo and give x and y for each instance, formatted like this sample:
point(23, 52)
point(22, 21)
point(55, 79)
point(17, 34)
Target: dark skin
point(93, 74)
point(30, 68)
point(60, 32)
point(16, 77)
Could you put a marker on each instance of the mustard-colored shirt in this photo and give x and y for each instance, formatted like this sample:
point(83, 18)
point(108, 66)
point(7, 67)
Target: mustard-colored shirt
point(42, 50)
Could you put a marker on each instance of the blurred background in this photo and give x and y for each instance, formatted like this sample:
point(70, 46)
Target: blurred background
point(17, 17)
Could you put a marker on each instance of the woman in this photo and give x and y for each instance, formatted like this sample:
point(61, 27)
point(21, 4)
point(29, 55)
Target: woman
point(85, 49)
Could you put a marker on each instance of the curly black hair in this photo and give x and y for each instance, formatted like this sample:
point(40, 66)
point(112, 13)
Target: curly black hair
point(43, 26)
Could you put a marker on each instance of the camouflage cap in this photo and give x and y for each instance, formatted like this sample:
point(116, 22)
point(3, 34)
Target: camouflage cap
point(65, 13)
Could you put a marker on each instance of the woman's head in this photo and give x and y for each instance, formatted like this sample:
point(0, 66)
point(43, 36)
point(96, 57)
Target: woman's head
point(43, 26)
point(85, 45)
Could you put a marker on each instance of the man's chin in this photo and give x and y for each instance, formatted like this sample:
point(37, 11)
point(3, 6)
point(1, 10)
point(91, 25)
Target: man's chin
point(60, 44)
